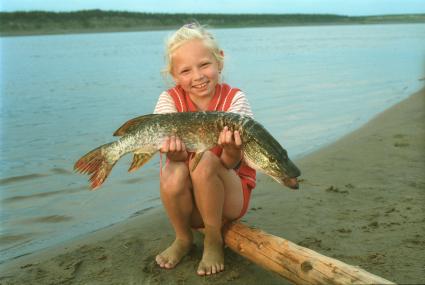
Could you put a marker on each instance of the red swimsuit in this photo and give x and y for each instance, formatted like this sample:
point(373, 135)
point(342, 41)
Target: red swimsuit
point(220, 102)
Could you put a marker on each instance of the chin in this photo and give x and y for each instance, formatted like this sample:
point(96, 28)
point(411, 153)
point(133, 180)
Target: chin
point(204, 93)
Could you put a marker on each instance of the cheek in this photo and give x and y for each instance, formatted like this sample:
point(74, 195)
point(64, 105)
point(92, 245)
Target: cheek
point(184, 81)
point(179, 80)
point(212, 74)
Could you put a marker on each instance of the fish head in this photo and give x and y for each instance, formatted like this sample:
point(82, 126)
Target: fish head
point(265, 154)
point(283, 170)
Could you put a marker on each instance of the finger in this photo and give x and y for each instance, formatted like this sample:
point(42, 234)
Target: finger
point(165, 145)
point(224, 131)
point(183, 146)
point(238, 140)
point(229, 137)
point(173, 143)
point(221, 137)
point(178, 144)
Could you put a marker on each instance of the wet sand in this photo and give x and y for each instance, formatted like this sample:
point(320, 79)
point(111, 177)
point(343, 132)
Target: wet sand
point(361, 201)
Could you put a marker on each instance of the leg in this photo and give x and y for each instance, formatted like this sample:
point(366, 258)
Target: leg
point(218, 195)
point(176, 195)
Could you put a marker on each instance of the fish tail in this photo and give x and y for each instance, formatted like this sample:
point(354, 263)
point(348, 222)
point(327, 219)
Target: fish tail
point(95, 164)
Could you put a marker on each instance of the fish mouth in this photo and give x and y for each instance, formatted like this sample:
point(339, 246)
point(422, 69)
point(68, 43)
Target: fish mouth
point(292, 172)
point(291, 182)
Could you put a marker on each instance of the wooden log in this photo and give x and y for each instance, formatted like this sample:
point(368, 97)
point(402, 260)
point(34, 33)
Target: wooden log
point(298, 264)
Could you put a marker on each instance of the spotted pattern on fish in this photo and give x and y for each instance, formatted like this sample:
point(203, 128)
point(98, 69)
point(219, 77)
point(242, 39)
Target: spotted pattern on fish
point(199, 131)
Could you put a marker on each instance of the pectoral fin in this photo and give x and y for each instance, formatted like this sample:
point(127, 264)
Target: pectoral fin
point(139, 159)
point(196, 159)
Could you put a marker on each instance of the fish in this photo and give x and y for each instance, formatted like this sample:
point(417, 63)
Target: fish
point(143, 136)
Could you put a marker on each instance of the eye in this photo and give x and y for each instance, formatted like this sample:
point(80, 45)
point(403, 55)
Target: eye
point(272, 160)
point(184, 71)
point(205, 64)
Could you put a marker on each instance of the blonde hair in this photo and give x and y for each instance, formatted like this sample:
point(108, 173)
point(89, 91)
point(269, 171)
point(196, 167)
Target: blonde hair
point(192, 31)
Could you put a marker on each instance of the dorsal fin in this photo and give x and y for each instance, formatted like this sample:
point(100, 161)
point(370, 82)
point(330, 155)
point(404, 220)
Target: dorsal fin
point(133, 123)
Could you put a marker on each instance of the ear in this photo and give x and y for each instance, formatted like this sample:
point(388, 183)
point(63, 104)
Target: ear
point(221, 64)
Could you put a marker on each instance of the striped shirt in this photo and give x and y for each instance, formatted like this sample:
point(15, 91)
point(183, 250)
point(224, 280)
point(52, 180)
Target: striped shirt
point(239, 105)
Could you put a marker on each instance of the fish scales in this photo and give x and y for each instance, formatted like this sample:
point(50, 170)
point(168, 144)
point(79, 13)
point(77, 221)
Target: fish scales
point(144, 136)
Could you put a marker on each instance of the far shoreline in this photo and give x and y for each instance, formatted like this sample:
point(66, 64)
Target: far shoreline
point(28, 23)
point(170, 28)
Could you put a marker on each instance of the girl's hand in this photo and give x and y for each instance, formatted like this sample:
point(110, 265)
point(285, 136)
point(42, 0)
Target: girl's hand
point(174, 148)
point(231, 143)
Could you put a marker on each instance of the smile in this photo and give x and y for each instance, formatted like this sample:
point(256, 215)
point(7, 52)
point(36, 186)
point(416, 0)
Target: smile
point(200, 86)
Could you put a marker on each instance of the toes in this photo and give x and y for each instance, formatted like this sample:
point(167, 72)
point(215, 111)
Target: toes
point(208, 271)
point(164, 263)
point(169, 265)
point(201, 269)
point(217, 268)
point(159, 260)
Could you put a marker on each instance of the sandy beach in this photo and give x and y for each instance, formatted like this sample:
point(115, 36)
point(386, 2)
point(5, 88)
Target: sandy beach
point(360, 201)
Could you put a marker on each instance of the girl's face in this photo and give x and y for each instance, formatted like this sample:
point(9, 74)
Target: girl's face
point(195, 69)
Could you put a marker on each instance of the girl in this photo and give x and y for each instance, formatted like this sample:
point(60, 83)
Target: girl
point(219, 188)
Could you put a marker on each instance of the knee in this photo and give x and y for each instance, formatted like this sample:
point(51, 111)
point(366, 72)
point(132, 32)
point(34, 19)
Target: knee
point(207, 167)
point(174, 179)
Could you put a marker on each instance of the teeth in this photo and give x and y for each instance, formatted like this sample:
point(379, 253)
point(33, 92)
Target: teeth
point(200, 85)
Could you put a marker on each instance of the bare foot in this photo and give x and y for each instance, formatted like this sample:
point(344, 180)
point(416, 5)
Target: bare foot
point(173, 254)
point(213, 257)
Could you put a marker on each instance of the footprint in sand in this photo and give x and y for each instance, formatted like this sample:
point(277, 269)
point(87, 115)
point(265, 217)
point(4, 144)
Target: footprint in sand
point(401, 140)
point(47, 219)
point(333, 189)
point(344, 231)
point(372, 225)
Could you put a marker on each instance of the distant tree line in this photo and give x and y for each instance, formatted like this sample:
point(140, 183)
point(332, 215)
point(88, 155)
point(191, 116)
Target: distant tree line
point(41, 22)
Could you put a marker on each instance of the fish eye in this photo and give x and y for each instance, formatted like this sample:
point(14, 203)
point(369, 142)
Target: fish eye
point(272, 160)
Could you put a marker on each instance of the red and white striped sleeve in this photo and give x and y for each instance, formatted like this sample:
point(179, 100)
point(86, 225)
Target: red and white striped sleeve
point(240, 105)
point(165, 104)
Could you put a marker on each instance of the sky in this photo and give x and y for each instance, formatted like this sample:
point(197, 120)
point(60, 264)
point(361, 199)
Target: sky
point(340, 7)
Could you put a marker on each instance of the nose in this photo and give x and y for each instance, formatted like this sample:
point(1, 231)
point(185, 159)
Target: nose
point(197, 74)
point(291, 182)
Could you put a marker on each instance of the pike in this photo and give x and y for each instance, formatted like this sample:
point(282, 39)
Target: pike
point(199, 131)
